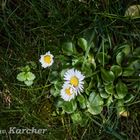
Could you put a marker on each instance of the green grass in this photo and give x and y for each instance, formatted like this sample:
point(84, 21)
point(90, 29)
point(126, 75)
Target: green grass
point(28, 29)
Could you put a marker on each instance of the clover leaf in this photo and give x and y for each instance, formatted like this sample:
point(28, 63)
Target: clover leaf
point(21, 76)
point(28, 83)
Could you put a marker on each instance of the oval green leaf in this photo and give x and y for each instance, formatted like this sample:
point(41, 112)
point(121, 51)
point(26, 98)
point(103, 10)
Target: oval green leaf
point(107, 76)
point(79, 118)
point(102, 58)
point(117, 70)
point(128, 98)
point(109, 88)
point(28, 82)
point(68, 48)
point(82, 101)
point(121, 90)
point(109, 101)
point(126, 49)
point(95, 103)
point(26, 68)
point(69, 107)
point(82, 43)
point(53, 76)
point(128, 71)
point(30, 76)
point(103, 94)
point(54, 92)
point(120, 57)
point(76, 117)
point(95, 99)
point(94, 110)
point(91, 60)
point(21, 76)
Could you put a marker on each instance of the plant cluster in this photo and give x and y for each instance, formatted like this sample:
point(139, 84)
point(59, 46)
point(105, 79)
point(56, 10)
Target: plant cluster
point(91, 81)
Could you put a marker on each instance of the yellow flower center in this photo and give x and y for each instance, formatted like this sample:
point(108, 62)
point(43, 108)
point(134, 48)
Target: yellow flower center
point(74, 81)
point(68, 92)
point(47, 59)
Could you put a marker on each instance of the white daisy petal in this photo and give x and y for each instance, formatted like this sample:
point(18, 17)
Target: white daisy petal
point(46, 60)
point(67, 92)
point(75, 78)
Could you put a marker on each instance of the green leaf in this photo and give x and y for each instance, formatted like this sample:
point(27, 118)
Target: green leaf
point(95, 104)
point(25, 69)
point(69, 107)
point(63, 73)
point(21, 76)
point(109, 88)
point(94, 110)
point(121, 90)
point(30, 76)
point(136, 52)
point(103, 94)
point(121, 110)
point(53, 76)
point(87, 69)
point(128, 71)
point(60, 103)
point(109, 101)
point(126, 49)
point(135, 64)
point(82, 101)
point(95, 99)
point(79, 118)
point(77, 61)
point(135, 85)
point(117, 70)
point(68, 48)
point(107, 76)
point(76, 117)
point(82, 43)
point(120, 103)
point(33, 64)
point(128, 98)
point(57, 85)
point(88, 86)
point(54, 92)
point(85, 119)
point(28, 83)
point(120, 106)
point(120, 57)
point(102, 58)
point(99, 81)
point(91, 60)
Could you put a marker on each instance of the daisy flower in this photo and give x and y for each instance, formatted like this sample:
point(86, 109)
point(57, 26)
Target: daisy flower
point(67, 92)
point(75, 78)
point(46, 60)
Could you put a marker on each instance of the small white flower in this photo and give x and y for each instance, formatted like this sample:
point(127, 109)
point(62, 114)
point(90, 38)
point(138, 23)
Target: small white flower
point(67, 92)
point(46, 60)
point(75, 78)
